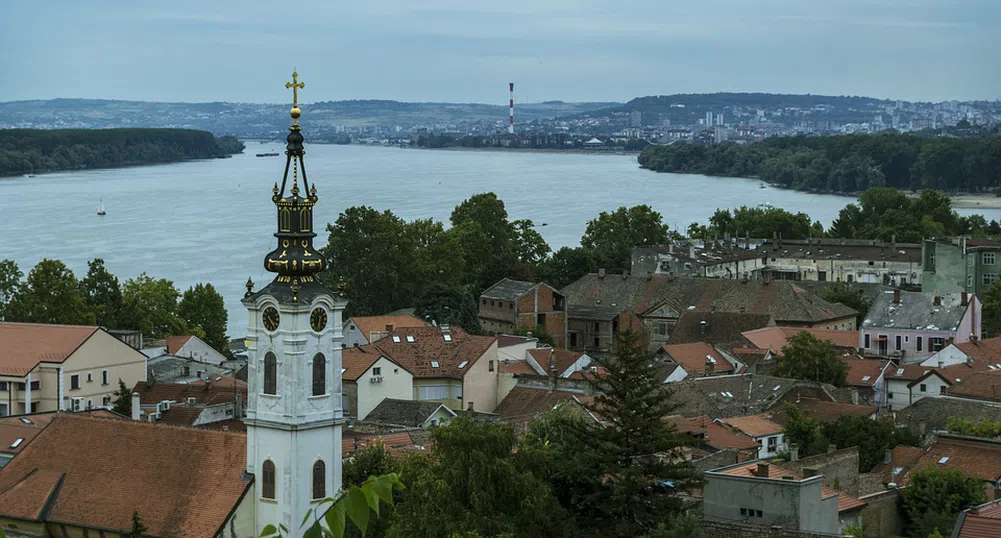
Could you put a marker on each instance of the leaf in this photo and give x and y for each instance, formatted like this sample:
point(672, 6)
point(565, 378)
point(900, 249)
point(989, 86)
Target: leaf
point(313, 531)
point(306, 518)
point(368, 489)
point(356, 505)
point(335, 519)
point(383, 489)
point(283, 528)
point(269, 530)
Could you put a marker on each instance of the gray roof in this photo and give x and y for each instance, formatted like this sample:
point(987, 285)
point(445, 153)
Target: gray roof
point(412, 413)
point(745, 394)
point(916, 311)
point(507, 289)
point(594, 313)
point(170, 369)
point(841, 249)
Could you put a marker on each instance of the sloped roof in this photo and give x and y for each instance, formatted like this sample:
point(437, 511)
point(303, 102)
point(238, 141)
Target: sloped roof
point(412, 413)
point(181, 415)
point(396, 443)
point(714, 434)
point(197, 476)
point(776, 338)
point(429, 346)
point(784, 301)
point(743, 394)
point(505, 340)
point(507, 289)
point(983, 386)
point(983, 521)
point(751, 356)
point(175, 343)
point(154, 393)
point(356, 361)
point(902, 458)
point(721, 328)
point(980, 458)
point(754, 425)
point(916, 310)
point(693, 357)
point(523, 403)
point(224, 380)
point(983, 352)
point(825, 410)
point(562, 359)
point(864, 372)
point(24, 345)
point(13, 428)
point(369, 324)
point(517, 368)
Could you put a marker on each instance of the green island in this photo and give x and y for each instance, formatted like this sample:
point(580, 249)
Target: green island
point(843, 163)
point(32, 151)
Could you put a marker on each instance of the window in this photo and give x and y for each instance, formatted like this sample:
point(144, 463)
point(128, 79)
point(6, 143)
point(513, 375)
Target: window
point(90, 377)
point(75, 382)
point(492, 302)
point(510, 306)
point(483, 302)
point(969, 281)
point(490, 366)
point(3, 386)
point(889, 396)
point(919, 342)
point(773, 443)
point(924, 388)
point(270, 377)
point(898, 342)
point(319, 480)
point(377, 370)
point(989, 278)
point(106, 401)
point(268, 478)
point(319, 375)
point(936, 344)
point(541, 320)
point(867, 342)
point(3, 410)
point(434, 364)
point(597, 326)
point(988, 258)
point(105, 379)
point(434, 393)
point(573, 339)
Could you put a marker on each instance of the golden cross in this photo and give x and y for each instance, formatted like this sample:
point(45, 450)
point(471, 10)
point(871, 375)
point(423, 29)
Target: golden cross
point(295, 85)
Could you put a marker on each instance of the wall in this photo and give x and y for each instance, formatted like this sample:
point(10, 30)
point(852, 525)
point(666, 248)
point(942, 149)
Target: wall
point(16, 528)
point(780, 445)
point(881, 516)
point(353, 335)
point(540, 301)
point(455, 392)
point(794, 504)
point(241, 522)
point(198, 350)
point(497, 316)
point(899, 395)
point(908, 342)
point(839, 469)
point(396, 383)
point(970, 324)
point(216, 413)
point(731, 530)
point(480, 383)
point(517, 352)
point(949, 356)
point(932, 413)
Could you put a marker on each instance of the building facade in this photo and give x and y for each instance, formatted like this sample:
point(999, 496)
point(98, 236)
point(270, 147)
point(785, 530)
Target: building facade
point(842, 260)
point(510, 305)
point(960, 264)
point(910, 326)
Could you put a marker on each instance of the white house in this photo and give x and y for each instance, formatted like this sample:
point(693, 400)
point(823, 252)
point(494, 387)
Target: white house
point(369, 378)
point(768, 434)
point(909, 383)
point(190, 347)
point(514, 348)
point(362, 330)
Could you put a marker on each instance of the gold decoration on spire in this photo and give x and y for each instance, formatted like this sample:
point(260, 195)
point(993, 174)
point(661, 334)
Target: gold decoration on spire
point(295, 178)
point(296, 86)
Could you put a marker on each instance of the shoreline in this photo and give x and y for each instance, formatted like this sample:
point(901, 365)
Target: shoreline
point(115, 167)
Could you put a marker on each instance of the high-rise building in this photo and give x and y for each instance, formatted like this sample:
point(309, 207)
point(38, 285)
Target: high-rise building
point(294, 414)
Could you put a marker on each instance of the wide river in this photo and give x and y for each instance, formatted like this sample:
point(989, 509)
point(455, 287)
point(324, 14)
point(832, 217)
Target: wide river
point(212, 221)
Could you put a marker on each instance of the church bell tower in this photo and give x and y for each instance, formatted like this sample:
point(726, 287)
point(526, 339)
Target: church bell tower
point(294, 415)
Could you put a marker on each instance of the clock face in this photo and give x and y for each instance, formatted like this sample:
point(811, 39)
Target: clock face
point(318, 319)
point(271, 318)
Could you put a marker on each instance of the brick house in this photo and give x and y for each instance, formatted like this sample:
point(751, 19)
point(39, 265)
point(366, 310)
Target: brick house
point(510, 305)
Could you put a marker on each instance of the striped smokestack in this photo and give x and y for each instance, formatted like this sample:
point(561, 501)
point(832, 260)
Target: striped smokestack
point(510, 127)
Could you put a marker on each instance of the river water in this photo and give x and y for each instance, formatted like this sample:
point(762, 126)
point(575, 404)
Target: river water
point(211, 221)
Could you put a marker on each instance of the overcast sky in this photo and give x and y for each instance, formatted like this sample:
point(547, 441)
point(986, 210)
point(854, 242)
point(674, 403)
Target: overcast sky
point(468, 50)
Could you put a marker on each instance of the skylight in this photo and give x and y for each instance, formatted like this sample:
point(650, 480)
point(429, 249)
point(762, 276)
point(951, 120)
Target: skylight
point(434, 364)
point(777, 387)
point(447, 337)
point(26, 421)
point(943, 459)
point(866, 378)
point(410, 339)
point(17, 442)
point(343, 370)
point(396, 339)
point(900, 371)
point(463, 364)
point(992, 367)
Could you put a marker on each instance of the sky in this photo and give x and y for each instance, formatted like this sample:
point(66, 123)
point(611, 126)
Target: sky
point(468, 50)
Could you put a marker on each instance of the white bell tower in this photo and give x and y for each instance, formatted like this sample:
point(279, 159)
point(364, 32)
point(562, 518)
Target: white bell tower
point(294, 414)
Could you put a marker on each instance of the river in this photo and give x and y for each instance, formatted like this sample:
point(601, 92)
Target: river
point(211, 221)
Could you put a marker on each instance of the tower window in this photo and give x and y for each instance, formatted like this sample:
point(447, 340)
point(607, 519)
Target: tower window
point(304, 220)
point(285, 222)
point(270, 373)
point(268, 479)
point(319, 480)
point(319, 375)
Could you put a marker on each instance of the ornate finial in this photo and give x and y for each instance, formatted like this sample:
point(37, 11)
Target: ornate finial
point(340, 287)
point(250, 287)
point(312, 190)
point(296, 86)
point(295, 177)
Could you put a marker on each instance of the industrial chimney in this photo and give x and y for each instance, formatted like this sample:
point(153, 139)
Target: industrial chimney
point(510, 127)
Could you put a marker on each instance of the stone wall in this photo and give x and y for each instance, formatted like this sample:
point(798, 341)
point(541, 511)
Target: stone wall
point(350, 391)
point(840, 469)
point(881, 516)
point(716, 460)
point(734, 530)
point(932, 413)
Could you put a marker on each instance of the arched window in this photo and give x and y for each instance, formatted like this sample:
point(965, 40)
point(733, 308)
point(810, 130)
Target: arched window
point(304, 220)
point(284, 223)
point(319, 480)
point(319, 375)
point(270, 373)
point(268, 479)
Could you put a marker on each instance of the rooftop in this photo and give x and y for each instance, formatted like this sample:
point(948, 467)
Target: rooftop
point(841, 249)
point(24, 345)
point(506, 340)
point(754, 425)
point(693, 357)
point(384, 324)
point(983, 521)
point(864, 372)
point(846, 503)
point(507, 289)
point(980, 458)
point(719, 328)
point(523, 403)
point(916, 311)
point(154, 393)
point(562, 359)
point(746, 394)
point(713, 433)
point(175, 343)
point(776, 338)
point(407, 413)
point(983, 386)
point(433, 352)
point(397, 443)
point(53, 480)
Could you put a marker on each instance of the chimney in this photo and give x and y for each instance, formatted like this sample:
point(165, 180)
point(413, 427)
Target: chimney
point(389, 327)
point(710, 367)
point(762, 470)
point(941, 364)
point(888, 456)
point(625, 275)
point(552, 377)
point(136, 409)
point(691, 250)
point(601, 273)
point(702, 327)
point(938, 300)
point(809, 472)
point(963, 299)
point(469, 407)
point(649, 275)
point(854, 396)
point(793, 452)
point(893, 241)
point(896, 296)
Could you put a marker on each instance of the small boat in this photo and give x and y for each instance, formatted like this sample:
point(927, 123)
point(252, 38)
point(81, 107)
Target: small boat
point(274, 154)
point(762, 186)
point(100, 208)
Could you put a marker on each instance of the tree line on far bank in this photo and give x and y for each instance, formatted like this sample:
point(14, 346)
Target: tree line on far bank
point(51, 293)
point(29, 151)
point(843, 163)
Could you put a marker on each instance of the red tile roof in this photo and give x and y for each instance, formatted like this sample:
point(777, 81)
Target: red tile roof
point(716, 435)
point(184, 482)
point(983, 386)
point(14, 428)
point(775, 338)
point(180, 415)
point(154, 393)
point(24, 345)
point(175, 343)
point(692, 357)
point(429, 346)
point(754, 425)
point(505, 340)
point(517, 368)
point(863, 372)
point(223, 380)
point(562, 359)
point(385, 324)
point(979, 458)
point(357, 360)
point(907, 372)
point(983, 352)
point(901, 457)
point(523, 403)
point(396, 443)
point(751, 356)
point(982, 521)
point(825, 410)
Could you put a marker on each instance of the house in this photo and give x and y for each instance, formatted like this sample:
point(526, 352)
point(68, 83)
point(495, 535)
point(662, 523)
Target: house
point(182, 404)
point(62, 367)
point(601, 306)
point(448, 365)
point(522, 404)
point(981, 355)
point(868, 376)
point(183, 482)
point(932, 413)
point(776, 338)
point(368, 378)
point(194, 348)
point(914, 325)
point(396, 413)
point(361, 330)
point(768, 495)
point(723, 329)
point(909, 383)
point(767, 434)
point(744, 394)
point(981, 386)
point(510, 305)
point(513, 348)
point(702, 359)
point(975, 457)
point(715, 436)
point(166, 368)
point(959, 264)
point(981, 521)
point(559, 362)
point(714, 259)
point(757, 361)
point(842, 260)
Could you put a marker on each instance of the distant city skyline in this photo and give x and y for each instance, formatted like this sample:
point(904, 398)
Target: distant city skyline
point(461, 51)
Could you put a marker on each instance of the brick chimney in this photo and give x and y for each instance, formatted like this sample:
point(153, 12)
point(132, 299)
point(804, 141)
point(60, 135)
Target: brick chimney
point(964, 299)
point(896, 296)
point(938, 300)
point(136, 407)
point(762, 470)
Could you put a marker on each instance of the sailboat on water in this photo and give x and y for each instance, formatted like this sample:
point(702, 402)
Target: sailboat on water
point(100, 207)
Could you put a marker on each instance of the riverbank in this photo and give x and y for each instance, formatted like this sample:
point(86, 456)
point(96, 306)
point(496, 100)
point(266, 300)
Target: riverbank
point(538, 150)
point(975, 201)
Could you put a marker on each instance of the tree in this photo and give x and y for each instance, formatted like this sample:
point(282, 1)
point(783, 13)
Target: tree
point(202, 306)
point(631, 452)
point(102, 293)
point(472, 483)
point(137, 529)
point(151, 307)
point(611, 236)
point(806, 357)
point(330, 516)
point(854, 299)
point(122, 403)
point(565, 266)
point(365, 463)
point(493, 246)
point(50, 294)
point(803, 430)
point(935, 496)
point(679, 527)
point(992, 310)
point(872, 437)
point(450, 306)
point(10, 281)
point(552, 449)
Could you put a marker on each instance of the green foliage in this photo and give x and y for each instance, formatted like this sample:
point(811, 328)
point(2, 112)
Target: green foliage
point(539, 332)
point(50, 294)
point(450, 306)
point(552, 449)
point(992, 310)
point(887, 213)
point(29, 151)
point(10, 279)
point(137, 529)
point(806, 357)
point(102, 294)
point(151, 307)
point(122, 404)
point(758, 222)
point(330, 516)
point(202, 307)
point(565, 266)
point(630, 452)
point(494, 247)
point(679, 527)
point(472, 483)
point(804, 430)
point(934, 497)
point(984, 428)
point(854, 530)
point(844, 294)
point(611, 236)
